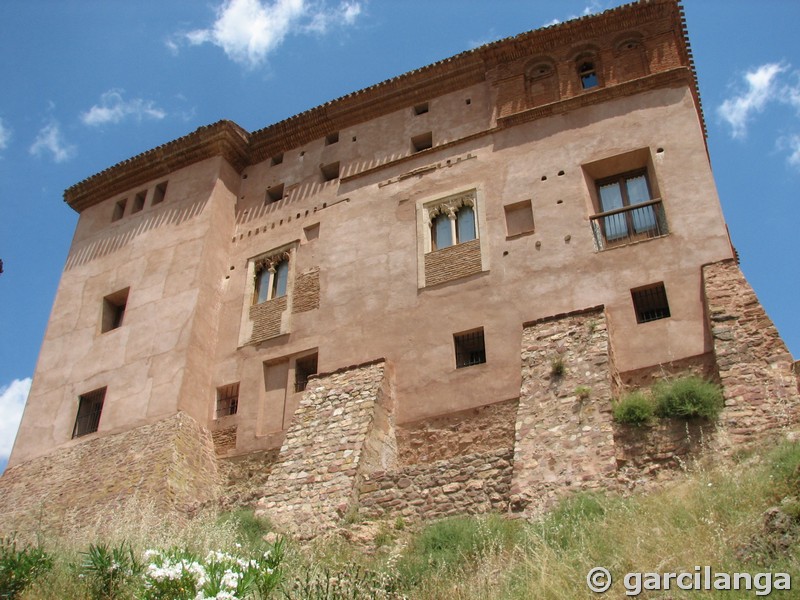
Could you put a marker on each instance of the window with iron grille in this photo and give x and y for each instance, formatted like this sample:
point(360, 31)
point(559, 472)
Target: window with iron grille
point(650, 303)
point(227, 400)
point(89, 408)
point(470, 348)
point(304, 368)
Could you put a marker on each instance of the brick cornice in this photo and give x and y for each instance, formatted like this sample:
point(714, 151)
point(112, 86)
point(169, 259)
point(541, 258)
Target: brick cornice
point(223, 138)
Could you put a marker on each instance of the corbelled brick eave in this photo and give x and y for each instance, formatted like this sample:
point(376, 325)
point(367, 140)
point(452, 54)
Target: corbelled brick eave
point(223, 138)
point(241, 149)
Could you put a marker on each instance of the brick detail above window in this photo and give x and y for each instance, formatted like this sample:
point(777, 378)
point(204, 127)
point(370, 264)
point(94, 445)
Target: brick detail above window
point(306, 291)
point(266, 319)
point(453, 262)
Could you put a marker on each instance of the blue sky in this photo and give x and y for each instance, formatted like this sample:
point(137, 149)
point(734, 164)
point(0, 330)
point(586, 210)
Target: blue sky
point(90, 83)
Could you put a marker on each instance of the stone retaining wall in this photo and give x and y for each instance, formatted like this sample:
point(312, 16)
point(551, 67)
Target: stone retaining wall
point(170, 463)
point(755, 367)
point(475, 483)
point(564, 442)
point(315, 480)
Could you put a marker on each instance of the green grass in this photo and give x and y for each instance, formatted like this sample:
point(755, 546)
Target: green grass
point(712, 515)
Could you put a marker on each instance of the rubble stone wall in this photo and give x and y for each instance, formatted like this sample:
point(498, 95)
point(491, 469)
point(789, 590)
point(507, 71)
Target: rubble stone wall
point(170, 463)
point(474, 483)
point(314, 482)
point(755, 367)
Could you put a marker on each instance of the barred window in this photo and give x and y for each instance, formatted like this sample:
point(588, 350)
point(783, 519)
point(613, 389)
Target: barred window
point(470, 348)
point(227, 400)
point(304, 368)
point(90, 406)
point(650, 303)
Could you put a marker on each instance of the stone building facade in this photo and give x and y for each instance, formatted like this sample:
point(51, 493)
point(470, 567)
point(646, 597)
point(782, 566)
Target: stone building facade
point(357, 308)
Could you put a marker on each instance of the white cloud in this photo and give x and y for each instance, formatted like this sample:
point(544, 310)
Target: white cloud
point(12, 402)
point(113, 108)
point(50, 140)
point(791, 143)
point(5, 135)
point(249, 30)
point(761, 87)
point(593, 7)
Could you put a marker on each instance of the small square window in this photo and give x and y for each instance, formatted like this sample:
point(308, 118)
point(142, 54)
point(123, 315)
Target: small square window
point(159, 193)
point(470, 348)
point(421, 109)
point(227, 400)
point(422, 142)
point(138, 201)
point(311, 232)
point(114, 310)
point(276, 160)
point(332, 138)
point(90, 406)
point(650, 303)
point(519, 218)
point(304, 368)
point(119, 210)
point(330, 171)
point(274, 193)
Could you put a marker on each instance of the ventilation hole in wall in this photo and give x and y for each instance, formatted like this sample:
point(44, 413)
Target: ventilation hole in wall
point(281, 222)
point(244, 175)
point(324, 205)
point(559, 202)
point(354, 138)
point(298, 216)
point(302, 153)
point(232, 267)
point(660, 151)
point(227, 276)
point(469, 101)
point(567, 238)
point(249, 233)
point(306, 213)
point(421, 109)
point(273, 226)
point(544, 177)
point(332, 138)
point(505, 252)
point(538, 244)
point(561, 173)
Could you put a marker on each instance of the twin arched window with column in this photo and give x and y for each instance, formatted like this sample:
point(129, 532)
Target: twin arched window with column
point(272, 275)
point(452, 222)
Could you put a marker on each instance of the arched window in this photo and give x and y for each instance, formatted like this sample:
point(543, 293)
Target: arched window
point(271, 280)
point(588, 74)
point(451, 225)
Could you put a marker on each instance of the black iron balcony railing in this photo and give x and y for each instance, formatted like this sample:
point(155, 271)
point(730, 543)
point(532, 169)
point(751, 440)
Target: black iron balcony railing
point(629, 224)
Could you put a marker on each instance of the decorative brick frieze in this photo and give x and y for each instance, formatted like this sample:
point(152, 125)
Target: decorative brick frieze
point(453, 262)
point(755, 367)
point(469, 484)
point(170, 463)
point(315, 480)
point(306, 291)
point(267, 317)
point(564, 441)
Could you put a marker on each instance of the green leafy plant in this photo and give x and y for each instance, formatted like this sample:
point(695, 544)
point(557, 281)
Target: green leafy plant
point(20, 567)
point(688, 397)
point(109, 572)
point(583, 392)
point(634, 408)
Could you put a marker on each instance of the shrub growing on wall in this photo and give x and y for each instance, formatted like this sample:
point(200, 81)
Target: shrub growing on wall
point(688, 397)
point(635, 408)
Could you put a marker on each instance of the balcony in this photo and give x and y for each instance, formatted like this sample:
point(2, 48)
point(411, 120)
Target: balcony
point(629, 224)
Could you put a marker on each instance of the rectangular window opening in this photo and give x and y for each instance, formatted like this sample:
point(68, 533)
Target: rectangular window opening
point(650, 303)
point(159, 193)
point(332, 138)
point(421, 109)
point(274, 193)
point(227, 400)
point(304, 368)
point(114, 310)
point(90, 406)
point(119, 210)
point(470, 348)
point(330, 171)
point(422, 142)
point(138, 201)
